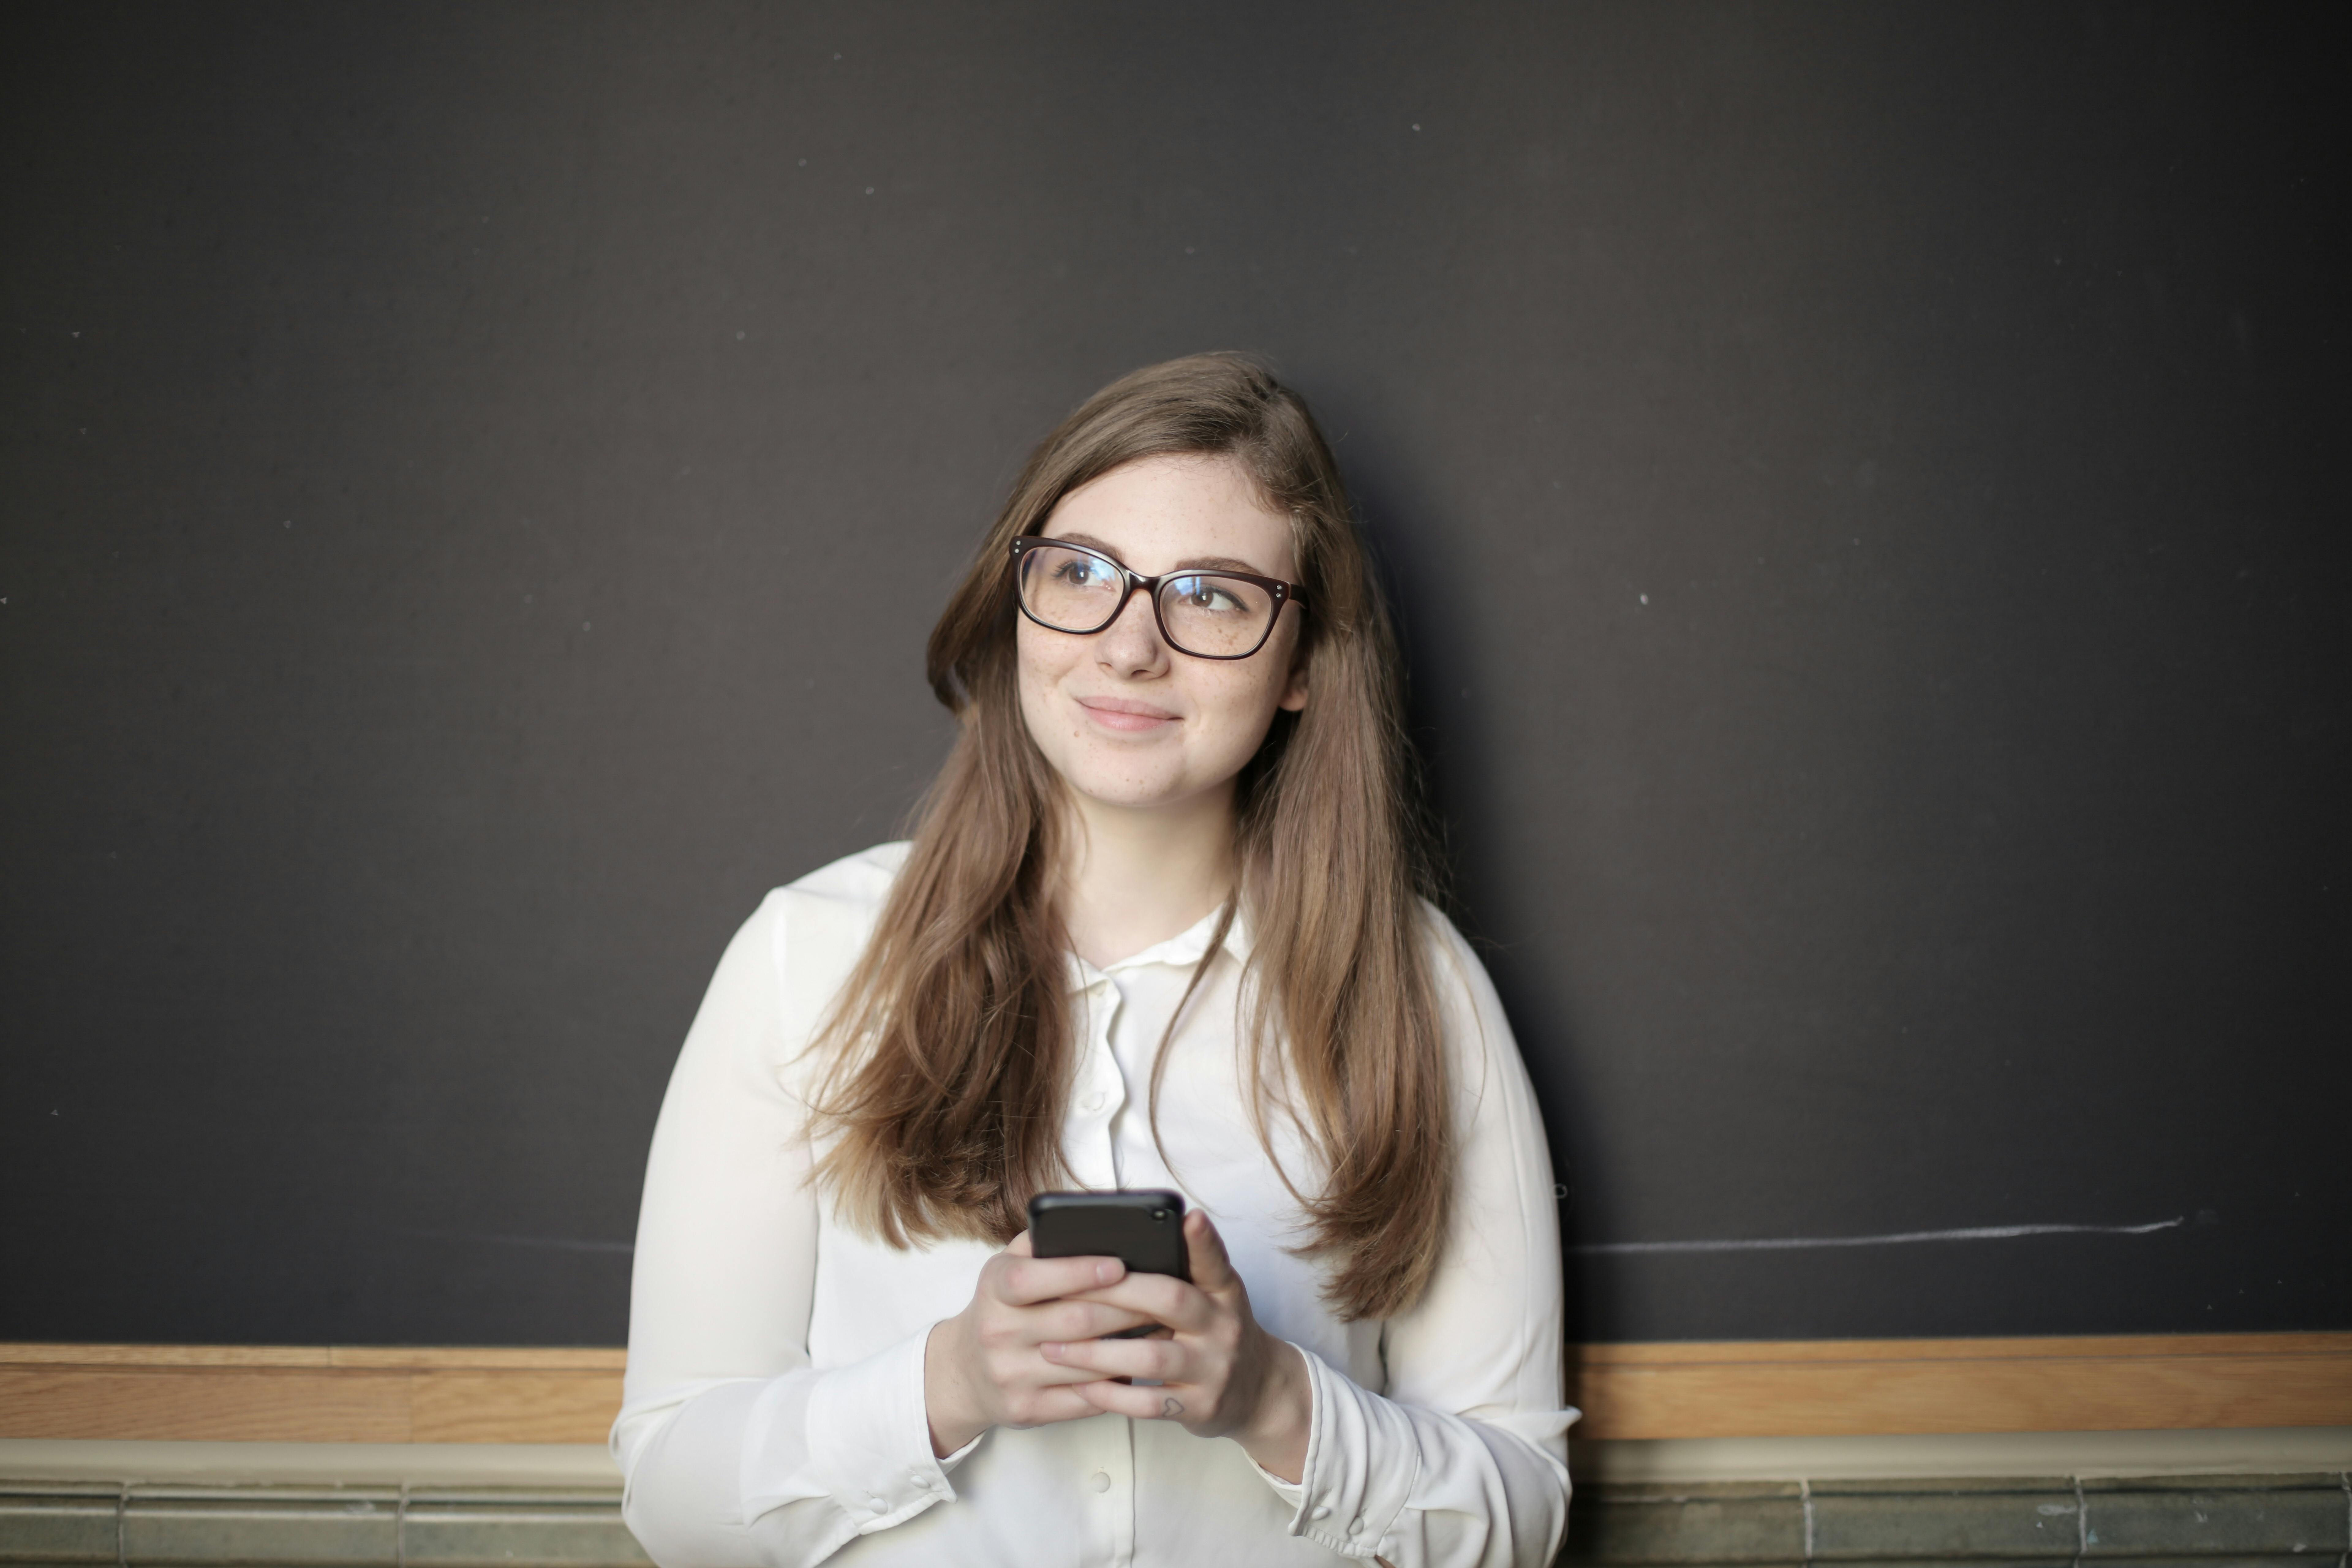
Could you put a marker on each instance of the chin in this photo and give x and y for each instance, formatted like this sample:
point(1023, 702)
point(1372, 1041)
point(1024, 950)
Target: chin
point(1127, 794)
point(1117, 781)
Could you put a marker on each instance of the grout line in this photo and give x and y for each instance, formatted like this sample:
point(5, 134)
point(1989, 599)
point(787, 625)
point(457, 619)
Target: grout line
point(2082, 1522)
point(1805, 1495)
point(400, 1530)
point(2344, 1559)
point(121, 1525)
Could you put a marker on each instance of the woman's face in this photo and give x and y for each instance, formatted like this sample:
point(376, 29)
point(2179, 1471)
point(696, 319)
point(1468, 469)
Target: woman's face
point(1126, 720)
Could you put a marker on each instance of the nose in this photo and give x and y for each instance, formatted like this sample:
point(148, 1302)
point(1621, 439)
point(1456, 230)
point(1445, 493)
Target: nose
point(1130, 645)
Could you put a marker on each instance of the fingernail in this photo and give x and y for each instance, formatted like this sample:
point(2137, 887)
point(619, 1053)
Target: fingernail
point(1107, 1271)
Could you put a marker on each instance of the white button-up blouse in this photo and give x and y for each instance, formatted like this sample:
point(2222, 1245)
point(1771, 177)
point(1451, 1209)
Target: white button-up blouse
point(773, 1412)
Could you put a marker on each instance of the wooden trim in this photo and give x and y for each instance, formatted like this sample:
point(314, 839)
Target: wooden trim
point(345, 1393)
point(1821, 1388)
point(309, 1394)
point(393, 1358)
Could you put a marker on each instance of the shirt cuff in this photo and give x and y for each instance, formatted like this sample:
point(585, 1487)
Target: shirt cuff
point(1361, 1463)
point(869, 1438)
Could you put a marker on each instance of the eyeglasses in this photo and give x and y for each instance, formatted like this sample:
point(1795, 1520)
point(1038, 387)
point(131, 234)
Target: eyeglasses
point(1209, 615)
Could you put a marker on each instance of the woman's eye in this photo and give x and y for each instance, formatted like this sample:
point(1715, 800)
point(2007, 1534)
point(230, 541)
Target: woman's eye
point(1201, 593)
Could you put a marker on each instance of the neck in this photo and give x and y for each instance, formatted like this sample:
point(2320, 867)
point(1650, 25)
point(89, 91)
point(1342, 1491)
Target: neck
point(1134, 878)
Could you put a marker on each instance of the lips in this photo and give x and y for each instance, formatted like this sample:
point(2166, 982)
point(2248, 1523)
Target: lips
point(1125, 714)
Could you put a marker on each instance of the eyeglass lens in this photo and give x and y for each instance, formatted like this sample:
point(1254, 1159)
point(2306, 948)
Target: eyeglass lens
point(1202, 612)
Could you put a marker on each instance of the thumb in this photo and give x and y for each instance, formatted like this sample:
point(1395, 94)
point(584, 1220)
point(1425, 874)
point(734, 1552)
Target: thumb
point(1212, 1271)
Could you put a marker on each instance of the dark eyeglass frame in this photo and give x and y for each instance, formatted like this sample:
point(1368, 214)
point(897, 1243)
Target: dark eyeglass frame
point(1134, 582)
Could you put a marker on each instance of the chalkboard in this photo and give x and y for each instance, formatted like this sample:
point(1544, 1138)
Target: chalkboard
point(1863, 486)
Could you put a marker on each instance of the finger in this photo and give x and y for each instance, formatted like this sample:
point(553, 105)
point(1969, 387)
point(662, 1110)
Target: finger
point(1049, 1375)
point(1163, 1297)
point(1142, 1404)
point(1068, 1320)
point(1213, 1268)
point(1025, 1281)
point(1019, 1246)
point(1045, 1406)
point(1163, 1360)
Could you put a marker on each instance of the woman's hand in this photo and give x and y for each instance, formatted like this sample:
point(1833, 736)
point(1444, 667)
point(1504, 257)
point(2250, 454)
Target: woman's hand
point(1218, 1374)
point(981, 1368)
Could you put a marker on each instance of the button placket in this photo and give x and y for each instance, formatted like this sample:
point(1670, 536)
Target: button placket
point(1105, 1085)
point(1102, 1011)
point(1118, 1473)
point(1086, 1135)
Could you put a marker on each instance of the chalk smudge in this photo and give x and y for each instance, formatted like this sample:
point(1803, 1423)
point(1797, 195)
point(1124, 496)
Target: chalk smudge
point(1898, 1238)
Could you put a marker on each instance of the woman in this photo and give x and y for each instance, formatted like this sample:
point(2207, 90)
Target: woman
point(1160, 925)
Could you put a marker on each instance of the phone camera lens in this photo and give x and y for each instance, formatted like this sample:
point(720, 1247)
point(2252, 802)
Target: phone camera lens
point(1158, 1213)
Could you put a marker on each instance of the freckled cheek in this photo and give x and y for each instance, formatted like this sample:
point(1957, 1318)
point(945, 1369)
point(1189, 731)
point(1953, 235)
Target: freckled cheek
point(1038, 676)
point(1041, 652)
point(1238, 703)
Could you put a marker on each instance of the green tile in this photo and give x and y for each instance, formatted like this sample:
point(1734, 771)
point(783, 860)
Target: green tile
point(211, 1528)
point(2010, 1525)
point(1689, 1529)
point(56, 1528)
point(1935, 1486)
point(2210, 1522)
point(1685, 1491)
point(2316, 1480)
point(510, 1530)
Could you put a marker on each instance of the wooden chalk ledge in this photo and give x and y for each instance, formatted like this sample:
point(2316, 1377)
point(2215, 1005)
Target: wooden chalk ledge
point(1766, 1388)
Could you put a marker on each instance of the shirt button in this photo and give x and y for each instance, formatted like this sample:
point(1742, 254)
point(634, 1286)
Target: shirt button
point(1321, 1511)
point(1101, 1482)
point(1093, 1101)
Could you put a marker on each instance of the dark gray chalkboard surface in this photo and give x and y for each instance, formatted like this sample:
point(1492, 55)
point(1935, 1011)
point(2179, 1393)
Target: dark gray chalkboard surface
point(1864, 484)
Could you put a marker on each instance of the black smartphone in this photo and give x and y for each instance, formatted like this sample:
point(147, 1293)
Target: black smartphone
point(1143, 1229)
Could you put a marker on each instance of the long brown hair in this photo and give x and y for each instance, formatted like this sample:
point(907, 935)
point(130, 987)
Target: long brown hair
point(951, 1048)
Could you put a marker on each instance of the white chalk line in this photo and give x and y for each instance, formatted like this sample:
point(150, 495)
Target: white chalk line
point(1765, 1244)
point(1896, 1238)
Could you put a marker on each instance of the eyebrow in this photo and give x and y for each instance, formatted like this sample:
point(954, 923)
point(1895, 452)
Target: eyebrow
point(1191, 564)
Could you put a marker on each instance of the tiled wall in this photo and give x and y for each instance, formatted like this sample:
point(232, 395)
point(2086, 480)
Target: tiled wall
point(299, 1527)
point(2209, 1522)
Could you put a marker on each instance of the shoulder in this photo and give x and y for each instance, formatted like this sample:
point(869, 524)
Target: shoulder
point(817, 928)
point(1478, 1038)
point(1454, 966)
point(853, 883)
point(842, 899)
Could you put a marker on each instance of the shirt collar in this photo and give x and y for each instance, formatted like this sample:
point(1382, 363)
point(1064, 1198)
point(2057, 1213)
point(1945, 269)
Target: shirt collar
point(1184, 949)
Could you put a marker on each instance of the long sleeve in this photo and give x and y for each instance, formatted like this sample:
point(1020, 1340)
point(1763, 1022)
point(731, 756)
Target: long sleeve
point(735, 1449)
point(1465, 1459)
